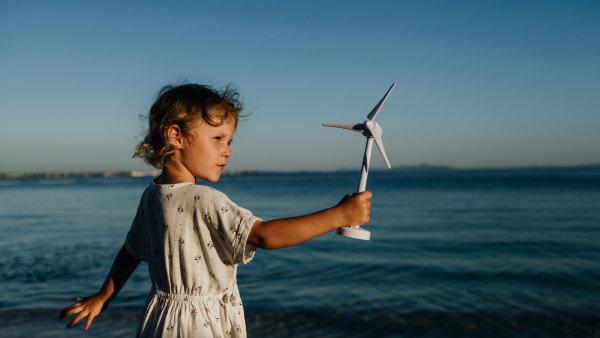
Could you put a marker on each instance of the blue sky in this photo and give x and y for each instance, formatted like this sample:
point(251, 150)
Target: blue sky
point(479, 83)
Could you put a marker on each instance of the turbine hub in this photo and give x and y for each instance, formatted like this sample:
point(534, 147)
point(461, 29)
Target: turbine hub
point(369, 125)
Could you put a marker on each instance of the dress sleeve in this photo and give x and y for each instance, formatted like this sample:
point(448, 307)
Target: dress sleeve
point(135, 242)
point(230, 223)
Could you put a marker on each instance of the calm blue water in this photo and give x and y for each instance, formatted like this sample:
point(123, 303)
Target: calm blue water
point(452, 254)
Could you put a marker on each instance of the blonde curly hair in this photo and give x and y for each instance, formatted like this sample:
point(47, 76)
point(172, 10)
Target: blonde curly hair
point(186, 106)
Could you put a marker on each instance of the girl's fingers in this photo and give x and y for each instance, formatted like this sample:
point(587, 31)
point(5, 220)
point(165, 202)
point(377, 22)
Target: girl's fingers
point(76, 319)
point(69, 307)
point(69, 312)
point(88, 322)
point(366, 194)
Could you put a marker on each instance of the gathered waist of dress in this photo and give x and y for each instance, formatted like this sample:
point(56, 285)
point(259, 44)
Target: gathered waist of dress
point(225, 297)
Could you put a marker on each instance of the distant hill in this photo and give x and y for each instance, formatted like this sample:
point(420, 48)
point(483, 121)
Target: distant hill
point(430, 168)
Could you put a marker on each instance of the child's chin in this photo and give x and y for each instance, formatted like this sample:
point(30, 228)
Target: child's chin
point(210, 179)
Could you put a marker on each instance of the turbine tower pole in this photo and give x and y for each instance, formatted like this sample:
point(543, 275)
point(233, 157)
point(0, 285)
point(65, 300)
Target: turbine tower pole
point(364, 172)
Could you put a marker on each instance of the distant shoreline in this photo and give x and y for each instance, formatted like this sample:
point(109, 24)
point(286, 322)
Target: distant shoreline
point(128, 173)
point(145, 173)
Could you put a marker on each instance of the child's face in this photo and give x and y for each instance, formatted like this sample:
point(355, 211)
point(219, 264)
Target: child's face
point(208, 151)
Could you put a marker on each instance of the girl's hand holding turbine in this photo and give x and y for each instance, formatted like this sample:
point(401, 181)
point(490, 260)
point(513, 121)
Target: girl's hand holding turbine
point(355, 208)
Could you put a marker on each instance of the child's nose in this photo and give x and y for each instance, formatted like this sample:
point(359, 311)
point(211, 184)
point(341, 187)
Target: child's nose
point(227, 152)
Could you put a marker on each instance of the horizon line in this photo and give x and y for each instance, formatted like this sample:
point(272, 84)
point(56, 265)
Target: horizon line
point(156, 172)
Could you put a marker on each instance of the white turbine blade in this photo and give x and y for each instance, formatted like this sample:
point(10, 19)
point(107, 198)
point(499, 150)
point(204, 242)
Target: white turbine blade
point(375, 110)
point(376, 132)
point(355, 127)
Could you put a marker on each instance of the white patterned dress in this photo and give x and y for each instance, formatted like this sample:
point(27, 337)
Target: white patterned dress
point(193, 237)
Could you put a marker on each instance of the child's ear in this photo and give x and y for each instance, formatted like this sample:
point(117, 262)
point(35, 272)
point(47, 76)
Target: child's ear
point(175, 137)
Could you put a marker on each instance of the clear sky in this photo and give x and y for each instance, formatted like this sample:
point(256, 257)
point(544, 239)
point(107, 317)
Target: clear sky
point(479, 83)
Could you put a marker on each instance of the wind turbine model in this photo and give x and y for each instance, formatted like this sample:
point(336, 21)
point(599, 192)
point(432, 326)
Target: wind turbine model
point(372, 131)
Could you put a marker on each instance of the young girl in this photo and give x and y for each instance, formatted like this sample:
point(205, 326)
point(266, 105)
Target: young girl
point(192, 236)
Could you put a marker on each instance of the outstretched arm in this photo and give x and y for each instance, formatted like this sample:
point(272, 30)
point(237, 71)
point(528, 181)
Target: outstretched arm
point(122, 268)
point(352, 210)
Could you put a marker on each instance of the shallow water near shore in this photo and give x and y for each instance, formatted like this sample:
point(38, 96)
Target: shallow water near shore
point(454, 253)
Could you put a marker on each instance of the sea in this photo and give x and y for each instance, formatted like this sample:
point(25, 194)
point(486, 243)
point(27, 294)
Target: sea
point(453, 253)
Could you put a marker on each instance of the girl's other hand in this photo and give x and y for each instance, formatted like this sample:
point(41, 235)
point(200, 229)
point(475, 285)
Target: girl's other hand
point(355, 208)
point(89, 306)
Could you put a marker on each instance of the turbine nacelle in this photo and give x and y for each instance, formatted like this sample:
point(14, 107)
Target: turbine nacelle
point(368, 129)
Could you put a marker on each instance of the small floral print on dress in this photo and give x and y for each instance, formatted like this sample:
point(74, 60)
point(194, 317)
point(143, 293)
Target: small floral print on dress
point(168, 196)
point(166, 227)
point(175, 288)
point(228, 333)
point(239, 329)
point(193, 312)
point(196, 198)
point(205, 323)
point(170, 186)
point(212, 274)
point(227, 262)
point(207, 217)
point(197, 258)
point(240, 303)
point(233, 229)
point(181, 240)
point(224, 210)
point(170, 328)
point(170, 257)
point(195, 228)
point(239, 236)
point(180, 209)
point(198, 288)
point(217, 319)
point(225, 290)
point(210, 245)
